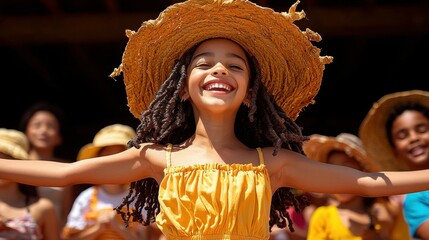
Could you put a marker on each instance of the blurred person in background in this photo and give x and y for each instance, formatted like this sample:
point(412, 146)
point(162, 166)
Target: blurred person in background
point(93, 215)
point(395, 133)
point(43, 123)
point(23, 214)
point(300, 219)
point(351, 216)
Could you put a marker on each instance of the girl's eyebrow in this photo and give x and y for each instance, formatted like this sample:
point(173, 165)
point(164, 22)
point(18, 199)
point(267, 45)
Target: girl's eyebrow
point(211, 54)
point(237, 56)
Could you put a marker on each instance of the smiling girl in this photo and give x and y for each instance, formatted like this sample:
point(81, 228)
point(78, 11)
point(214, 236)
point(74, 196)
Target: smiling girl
point(217, 86)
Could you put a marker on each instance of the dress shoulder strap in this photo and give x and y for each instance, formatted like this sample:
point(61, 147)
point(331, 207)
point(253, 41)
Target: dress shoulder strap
point(168, 154)
point(261, 156)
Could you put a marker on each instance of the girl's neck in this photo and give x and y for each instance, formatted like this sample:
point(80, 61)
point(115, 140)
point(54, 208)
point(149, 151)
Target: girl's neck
point(215, 132)
point(214, 138)
point(45, 154)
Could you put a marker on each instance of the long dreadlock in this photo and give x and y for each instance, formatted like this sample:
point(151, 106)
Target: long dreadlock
point(169, 120)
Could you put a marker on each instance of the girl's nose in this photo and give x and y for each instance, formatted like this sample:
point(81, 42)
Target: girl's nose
point(414, 136)
point(219, 69)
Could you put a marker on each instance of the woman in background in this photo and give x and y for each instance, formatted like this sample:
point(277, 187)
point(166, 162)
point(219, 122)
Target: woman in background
point(43, 123)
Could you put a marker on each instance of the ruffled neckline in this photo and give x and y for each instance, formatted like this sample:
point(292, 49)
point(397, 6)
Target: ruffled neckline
point(217, 166)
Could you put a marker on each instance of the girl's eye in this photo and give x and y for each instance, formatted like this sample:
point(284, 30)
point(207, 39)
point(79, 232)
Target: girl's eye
point(236, 67)
point(422, 128)
point(201, 62)
point(401, 135)
point(202, 65)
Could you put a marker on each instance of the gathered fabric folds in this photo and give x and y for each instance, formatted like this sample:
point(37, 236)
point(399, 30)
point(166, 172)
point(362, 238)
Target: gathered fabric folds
point(215, 201)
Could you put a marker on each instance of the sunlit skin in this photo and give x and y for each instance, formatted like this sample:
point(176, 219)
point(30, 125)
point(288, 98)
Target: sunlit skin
point(43, 132)
point(410, 135)
point(342, 159)
point(113, 188)
point(214, 141)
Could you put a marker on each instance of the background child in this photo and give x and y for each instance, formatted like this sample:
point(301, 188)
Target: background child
point(92, 215)
point(23, 214)
point(43, 123)
point(395, 132)
point(350, 216)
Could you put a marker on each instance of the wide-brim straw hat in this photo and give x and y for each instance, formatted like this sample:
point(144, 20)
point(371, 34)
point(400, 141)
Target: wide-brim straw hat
point(372, 130)
point(112, 135)
point(14, 143)
point(319, 146)
point(291, 66)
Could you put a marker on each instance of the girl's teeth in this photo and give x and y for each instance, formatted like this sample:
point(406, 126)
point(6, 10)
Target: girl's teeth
point(218, 86)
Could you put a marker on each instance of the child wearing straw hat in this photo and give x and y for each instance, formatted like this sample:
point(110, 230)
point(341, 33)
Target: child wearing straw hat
point(395, 132)
point(217, 85)
point(351, 216)
point(23, 214)
point(92, 215)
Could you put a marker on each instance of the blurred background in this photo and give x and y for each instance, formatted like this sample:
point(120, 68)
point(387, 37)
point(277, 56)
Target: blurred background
point(63, 51)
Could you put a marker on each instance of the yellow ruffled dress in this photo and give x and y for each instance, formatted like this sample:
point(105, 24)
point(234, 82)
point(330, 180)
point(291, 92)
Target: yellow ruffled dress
point(215, 201)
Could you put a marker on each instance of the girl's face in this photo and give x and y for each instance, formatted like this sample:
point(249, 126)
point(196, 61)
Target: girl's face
point(410, 136)
point(43, 130)
point(218, 75)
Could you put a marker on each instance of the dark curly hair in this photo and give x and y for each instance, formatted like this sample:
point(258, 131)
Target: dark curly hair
point(39, 106)
point(169, 120)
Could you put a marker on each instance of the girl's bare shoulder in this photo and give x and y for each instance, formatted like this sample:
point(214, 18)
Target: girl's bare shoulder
point(42, 207)
point(280, 154)
point(154, 154)
point(153, 150)
point(45, 203)
point(282, 158)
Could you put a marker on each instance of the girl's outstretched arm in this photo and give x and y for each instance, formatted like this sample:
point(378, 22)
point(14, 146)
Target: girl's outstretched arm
point(124, 167)
point(290, 169)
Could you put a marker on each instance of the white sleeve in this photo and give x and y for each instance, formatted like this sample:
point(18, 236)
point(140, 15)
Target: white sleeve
point(81, 206)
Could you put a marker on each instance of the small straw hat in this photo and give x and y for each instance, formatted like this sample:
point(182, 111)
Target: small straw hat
point(291, 66)
point(116, 134)
point(14, 143)
point(372, 130)
point(318, 148)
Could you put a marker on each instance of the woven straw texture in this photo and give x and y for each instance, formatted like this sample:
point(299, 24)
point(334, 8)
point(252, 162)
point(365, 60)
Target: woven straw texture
point(372, 130)
point(319, 147)
point(14, 143)
point(115, 134)
point(291, 66)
